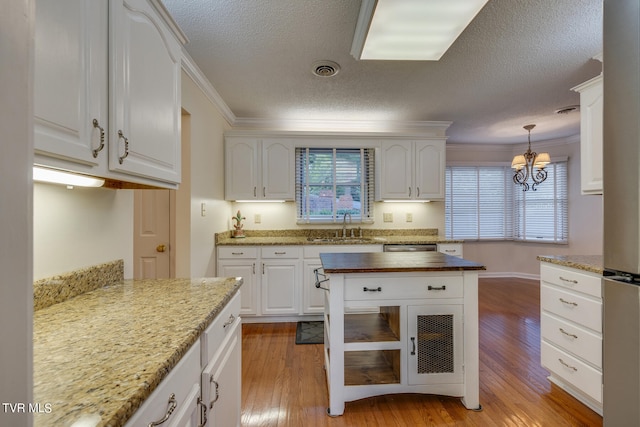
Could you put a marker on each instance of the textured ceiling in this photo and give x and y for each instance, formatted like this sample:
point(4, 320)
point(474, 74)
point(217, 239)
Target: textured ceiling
point(514, 64)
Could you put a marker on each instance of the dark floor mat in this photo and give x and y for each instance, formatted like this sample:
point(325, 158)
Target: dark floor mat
point(310, 332)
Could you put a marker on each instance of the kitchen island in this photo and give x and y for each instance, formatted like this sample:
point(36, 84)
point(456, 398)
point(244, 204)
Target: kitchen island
point(400, 323)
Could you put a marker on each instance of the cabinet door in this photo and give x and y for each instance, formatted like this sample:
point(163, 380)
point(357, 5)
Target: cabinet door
point(279, 285)
point(241, 169)
point(429, 170)
point(70, 83)
point(278, 170)
point(247, 270)
point(435, 344)
point(591, 128)
point(145, 67)
point(221, 384)
point(396, 164)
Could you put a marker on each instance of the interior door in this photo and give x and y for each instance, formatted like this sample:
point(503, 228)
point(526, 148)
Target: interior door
point(152, 233)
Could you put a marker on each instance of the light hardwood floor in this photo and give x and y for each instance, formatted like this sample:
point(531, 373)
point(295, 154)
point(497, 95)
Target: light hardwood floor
point(283, 384)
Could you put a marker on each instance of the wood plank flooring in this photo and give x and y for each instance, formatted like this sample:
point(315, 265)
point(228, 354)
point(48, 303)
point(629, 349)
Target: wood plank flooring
point(283, 384)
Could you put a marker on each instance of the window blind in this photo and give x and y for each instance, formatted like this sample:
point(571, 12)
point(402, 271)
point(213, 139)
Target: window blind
point(482, 202)
point(332, 182)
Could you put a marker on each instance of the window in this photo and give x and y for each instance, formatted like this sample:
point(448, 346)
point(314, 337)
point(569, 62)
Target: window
point(483, 203)
point(331, 182)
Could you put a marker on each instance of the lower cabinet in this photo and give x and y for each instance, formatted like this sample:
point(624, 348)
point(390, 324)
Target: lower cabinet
point(204, 388)
point(571, 331)
point(453, 249)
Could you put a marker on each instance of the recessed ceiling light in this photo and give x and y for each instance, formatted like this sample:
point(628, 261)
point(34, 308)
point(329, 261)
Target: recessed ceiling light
point(325, 68)
point(417, 30)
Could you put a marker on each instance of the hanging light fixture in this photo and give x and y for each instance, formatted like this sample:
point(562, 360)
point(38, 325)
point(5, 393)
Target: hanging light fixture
point(530, 164)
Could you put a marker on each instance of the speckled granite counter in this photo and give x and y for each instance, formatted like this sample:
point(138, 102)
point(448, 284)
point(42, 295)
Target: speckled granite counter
point(105, 351)
point(388, 262)
point(592, 263)
point(306, 237)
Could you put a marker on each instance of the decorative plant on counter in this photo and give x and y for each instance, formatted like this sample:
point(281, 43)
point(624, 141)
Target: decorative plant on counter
point(238, 231)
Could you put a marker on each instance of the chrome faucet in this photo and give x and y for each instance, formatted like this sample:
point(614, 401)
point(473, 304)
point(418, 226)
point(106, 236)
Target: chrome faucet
point(344, 224)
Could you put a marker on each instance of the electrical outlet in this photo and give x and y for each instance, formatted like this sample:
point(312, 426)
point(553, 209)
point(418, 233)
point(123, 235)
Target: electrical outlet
point(257, 218)
point(409, 217)
point(203, 209)
point(387, 217)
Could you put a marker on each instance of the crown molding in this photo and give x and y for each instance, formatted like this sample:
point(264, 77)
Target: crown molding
point(195, 73)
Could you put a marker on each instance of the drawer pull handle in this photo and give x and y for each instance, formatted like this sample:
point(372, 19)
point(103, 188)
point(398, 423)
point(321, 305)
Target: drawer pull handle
point(231, 319)
point(217, 396)
point(96, 125)
point(280, 253)
point(237, 253)
point(437, 288)
point(203, 410)
point(568, 334)
point(566, 365)
point(413, 343)
point(575, 304)
point(172, 407)
point(449, 250)
point(378, 289)
point(575, 282)
point(126, 146)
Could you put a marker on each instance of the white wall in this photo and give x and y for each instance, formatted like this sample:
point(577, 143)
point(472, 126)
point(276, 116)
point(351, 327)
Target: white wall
point(585, 213)
point(79, 228)
point(207, 176)
point(16, 145)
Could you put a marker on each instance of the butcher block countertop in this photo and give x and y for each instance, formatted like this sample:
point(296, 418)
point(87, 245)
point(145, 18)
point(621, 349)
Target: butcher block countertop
point(385, 262)
point(99, 355)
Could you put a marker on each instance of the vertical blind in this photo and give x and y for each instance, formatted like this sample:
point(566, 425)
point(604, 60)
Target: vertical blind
point(332, 182)
point(482, 202)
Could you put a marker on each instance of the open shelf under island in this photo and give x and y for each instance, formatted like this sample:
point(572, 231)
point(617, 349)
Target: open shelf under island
point(400, 323)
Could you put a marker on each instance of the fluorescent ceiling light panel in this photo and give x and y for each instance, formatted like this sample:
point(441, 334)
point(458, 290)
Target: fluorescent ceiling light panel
point(59, 177)
point(412, 30)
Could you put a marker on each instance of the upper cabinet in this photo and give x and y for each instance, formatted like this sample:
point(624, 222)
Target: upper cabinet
point(259, 168)
point(107, 90)
point(591, 110)
point(411, 170)
point(70, 84)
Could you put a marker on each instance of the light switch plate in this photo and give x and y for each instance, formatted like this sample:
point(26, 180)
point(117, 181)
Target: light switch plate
point(257, 218)
point(387, 217)
point(409, 217)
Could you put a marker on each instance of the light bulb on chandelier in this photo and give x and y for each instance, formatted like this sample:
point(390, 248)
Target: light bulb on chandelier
point(530, 164)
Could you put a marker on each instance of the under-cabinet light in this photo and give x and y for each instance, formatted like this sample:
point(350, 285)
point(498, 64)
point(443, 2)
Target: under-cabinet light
point(413, 30)
point(53, 176)
point(406, 201)
point(259, 201)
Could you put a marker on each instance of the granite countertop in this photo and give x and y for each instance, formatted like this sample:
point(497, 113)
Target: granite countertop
point(327, 237)
point(591, 263)
point(100, 354)
point(385, 262)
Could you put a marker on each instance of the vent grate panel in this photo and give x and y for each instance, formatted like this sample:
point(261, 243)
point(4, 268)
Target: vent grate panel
point(435, 344)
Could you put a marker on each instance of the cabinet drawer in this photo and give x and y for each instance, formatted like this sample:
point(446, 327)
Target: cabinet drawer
point(314, 251)
point(453, 249)
point(215, 334)
point(572, 306)
point(178, 382)
point(572, 279)
point(376, 287)
point(232, 252)
point(288, 252)
point(578, 341)
point(573, 371)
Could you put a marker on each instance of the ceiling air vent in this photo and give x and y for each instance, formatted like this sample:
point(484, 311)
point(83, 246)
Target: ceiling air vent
point(325, 68)
point(568, 109)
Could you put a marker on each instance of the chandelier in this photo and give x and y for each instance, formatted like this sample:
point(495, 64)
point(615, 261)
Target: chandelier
point(524, 165)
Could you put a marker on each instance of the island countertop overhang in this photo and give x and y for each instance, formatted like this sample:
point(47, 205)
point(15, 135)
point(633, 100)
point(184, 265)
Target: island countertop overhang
point(388, 262)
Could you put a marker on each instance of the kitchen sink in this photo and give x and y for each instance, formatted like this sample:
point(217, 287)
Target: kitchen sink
point(341, 239)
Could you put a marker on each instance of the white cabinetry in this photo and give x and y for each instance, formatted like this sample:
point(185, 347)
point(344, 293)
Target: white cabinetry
point(411, 170)
point(453, 249)
point(591, 127)
point(107, 90)
point(222, 374)
point(280, 280)
point(259, 169)
point(241, 261)
point(571, 330)
point(145, 70)
point(176, 399)
point(70, 83)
